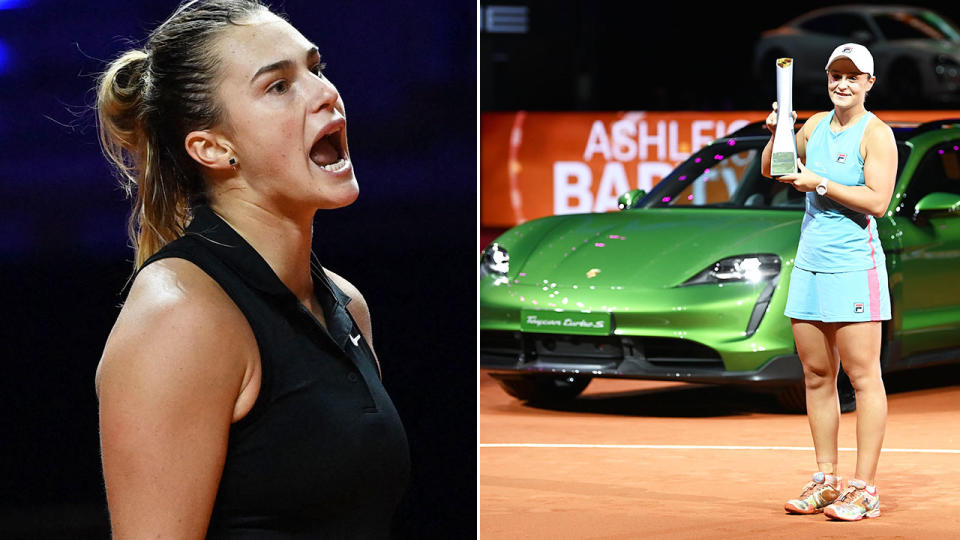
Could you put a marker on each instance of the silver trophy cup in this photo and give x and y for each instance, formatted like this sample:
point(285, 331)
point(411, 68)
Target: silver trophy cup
point(784, 158)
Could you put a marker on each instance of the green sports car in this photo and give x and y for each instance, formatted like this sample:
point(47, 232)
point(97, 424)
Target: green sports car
point(688, 282)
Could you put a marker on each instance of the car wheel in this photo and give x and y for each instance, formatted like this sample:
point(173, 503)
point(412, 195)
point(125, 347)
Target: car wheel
point(542, 388)
point(794, 398)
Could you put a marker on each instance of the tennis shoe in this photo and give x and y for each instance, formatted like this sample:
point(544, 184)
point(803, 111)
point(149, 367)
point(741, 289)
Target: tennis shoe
point(857, 502)
point(818, 493)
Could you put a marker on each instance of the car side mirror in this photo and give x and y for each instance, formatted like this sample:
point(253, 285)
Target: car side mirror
point(936, 204)
point(628, 199)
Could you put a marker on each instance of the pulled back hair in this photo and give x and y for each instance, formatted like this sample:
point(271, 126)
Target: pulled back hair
point(148, 100)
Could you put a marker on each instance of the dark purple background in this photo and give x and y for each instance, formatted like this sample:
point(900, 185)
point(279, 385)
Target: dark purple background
point(407, 73)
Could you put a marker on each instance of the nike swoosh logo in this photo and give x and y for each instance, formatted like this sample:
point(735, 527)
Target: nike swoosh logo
point(355, 340)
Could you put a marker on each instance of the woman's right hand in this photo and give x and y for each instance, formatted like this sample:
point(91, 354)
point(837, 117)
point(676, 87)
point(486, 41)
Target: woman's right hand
point(772, 118)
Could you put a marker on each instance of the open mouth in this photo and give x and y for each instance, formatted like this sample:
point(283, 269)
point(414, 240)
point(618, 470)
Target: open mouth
point(328, 152)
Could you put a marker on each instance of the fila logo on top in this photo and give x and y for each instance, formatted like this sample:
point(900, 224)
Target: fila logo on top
point(841, 158)
point(858, 307)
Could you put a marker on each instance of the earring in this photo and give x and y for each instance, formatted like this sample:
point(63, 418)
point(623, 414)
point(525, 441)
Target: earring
point(233, 162)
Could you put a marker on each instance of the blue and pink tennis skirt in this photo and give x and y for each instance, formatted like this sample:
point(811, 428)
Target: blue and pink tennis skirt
point(857, 296)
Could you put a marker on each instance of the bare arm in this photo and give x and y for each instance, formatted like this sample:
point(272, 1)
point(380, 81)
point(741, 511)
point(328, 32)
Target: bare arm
point(879, 172)
point(168, 383)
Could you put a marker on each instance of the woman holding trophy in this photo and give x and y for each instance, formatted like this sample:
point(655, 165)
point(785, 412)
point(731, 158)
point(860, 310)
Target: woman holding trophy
point(846, 164)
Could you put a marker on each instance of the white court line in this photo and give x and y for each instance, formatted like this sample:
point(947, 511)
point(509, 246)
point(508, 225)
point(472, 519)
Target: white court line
point(707, 447)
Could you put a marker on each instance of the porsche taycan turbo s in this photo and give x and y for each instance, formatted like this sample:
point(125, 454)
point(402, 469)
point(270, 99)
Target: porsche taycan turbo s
point(689, 282)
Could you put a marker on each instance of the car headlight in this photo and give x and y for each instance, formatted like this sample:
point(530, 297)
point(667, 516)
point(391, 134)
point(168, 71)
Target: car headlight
point(494, 260)
point(747, 268)
point(946, 67)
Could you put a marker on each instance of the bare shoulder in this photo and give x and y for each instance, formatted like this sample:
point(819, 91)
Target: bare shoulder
point(168, 383)
point(173, 317)
point(349, 289)
point(878, 130)
point(812, 122)
point(358, 309)
point(358, 305)
point(878, 137)
point(806, 131)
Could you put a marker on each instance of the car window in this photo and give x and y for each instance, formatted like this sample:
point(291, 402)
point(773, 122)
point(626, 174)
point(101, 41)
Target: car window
point(939, 170)
point(903, 25)
point(718, 182)
point(948, 28)
point(724, 176)
point(837, 24)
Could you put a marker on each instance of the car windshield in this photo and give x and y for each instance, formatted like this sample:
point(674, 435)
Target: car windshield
point(724, 175)
point(916, 25)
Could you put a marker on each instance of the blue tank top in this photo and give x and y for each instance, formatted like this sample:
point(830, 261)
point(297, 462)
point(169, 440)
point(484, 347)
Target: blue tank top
point(833, 237)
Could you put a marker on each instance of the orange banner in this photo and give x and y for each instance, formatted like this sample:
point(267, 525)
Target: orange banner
point(535, 164)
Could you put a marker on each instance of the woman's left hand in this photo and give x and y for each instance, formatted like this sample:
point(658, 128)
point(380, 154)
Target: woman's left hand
point(804, 180)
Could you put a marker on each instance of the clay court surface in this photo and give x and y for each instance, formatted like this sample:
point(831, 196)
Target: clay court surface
point(640, 459)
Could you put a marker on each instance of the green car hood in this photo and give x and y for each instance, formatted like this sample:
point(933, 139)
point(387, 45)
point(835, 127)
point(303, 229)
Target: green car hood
point(646, 248)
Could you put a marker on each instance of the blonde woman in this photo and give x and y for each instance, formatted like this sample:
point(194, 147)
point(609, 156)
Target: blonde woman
point(838, 287)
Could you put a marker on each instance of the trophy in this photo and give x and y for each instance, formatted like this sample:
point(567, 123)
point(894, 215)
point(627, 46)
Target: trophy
point(784, 158)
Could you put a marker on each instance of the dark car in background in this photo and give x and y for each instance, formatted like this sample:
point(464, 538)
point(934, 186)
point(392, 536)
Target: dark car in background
point(916, 52)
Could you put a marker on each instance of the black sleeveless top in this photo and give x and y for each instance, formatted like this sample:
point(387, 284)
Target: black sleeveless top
point(322, 453)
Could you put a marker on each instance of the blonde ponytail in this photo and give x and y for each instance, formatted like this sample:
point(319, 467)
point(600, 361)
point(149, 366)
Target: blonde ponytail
point(148, 100)
point(159, 213)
